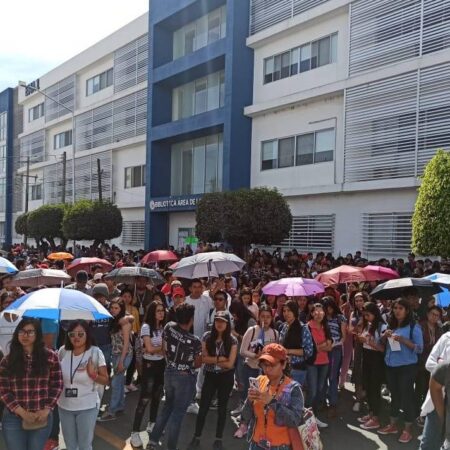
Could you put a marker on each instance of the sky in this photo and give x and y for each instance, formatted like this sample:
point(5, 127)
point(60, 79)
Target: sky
point(35, 37)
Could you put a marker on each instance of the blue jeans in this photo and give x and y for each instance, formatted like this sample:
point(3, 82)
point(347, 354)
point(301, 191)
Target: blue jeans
point(180, 389)
point(432, 432)
point(117, 402)
point(78, 428)
point(247, 372)
point(299, 376)
point(316, 378)
point(17, 438)
point(334, 368)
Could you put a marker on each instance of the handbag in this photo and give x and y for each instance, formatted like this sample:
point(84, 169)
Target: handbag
point(37, 425)
point(309, 432)
point(296, 439)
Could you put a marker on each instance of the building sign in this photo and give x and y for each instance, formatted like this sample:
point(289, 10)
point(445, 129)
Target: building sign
point(32, 87)
point(170, 204)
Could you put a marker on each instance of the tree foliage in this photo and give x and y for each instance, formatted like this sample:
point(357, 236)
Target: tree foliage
point(21, 224)
point(247, 216)
point(431, 219)
point(93, 220)
point(45, 222)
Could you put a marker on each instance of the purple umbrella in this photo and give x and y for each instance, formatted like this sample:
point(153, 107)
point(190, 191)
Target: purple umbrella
point(294, 287)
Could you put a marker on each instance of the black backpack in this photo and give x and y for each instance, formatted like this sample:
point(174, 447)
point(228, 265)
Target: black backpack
point(312, 359)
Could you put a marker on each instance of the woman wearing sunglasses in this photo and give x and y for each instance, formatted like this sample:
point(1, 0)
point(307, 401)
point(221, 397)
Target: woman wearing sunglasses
point(27, 420)
point(83, 366)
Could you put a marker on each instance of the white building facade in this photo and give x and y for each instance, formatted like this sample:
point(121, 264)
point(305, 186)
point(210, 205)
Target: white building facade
point(351, 99)
point(101, 114)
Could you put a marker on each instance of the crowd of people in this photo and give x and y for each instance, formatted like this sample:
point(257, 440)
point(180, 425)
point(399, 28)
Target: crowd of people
point(187, 344)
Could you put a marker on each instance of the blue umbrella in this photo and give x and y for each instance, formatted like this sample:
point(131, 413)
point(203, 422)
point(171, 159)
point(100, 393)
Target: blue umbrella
point(443, 298)
point(58, 304)
point(7, 267)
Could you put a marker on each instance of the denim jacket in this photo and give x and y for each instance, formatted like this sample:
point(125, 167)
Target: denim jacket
point(288, 409)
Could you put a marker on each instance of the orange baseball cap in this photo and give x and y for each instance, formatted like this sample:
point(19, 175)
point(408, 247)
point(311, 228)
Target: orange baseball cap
point(273, 353)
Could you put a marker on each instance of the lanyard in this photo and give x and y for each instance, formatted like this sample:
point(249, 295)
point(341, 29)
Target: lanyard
point(72, 374)
point(266, 406)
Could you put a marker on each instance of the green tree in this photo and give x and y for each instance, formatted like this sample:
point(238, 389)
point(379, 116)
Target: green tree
point(45, 223)
point(21, 224)
point(248, 216)
point(93, 221)
point(431, 219)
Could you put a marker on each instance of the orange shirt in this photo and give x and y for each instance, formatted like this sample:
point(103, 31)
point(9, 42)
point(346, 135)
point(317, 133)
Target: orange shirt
point(276, 435)
point(318, 334)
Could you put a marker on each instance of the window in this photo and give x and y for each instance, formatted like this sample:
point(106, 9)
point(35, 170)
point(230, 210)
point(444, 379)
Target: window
point(3, 157)
point(197, 166)
point(199, 96)
point(35, 112)
point(3, 126)
point(62, 140)
point(309, 148)
point(301, 59)
point(134, 176)
point(36, 192)
point(99, 82)
point(199, 33)
point(133, 233)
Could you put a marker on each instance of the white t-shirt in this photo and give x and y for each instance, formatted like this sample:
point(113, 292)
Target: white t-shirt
point(87, 393)
point(202, 305)
point(6, 332)
point(156, 341)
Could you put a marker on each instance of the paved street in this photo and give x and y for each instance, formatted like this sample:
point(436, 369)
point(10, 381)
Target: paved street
point(343, 433)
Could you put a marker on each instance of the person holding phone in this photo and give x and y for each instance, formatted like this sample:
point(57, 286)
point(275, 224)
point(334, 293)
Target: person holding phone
point(83, 367)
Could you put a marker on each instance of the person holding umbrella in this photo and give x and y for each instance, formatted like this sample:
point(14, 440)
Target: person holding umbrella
point(27, 421)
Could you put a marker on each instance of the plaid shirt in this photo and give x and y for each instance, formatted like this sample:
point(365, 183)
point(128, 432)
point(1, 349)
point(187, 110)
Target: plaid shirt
point(30, 392)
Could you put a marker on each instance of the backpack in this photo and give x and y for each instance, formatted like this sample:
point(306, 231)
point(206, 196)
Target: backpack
point(312, 359)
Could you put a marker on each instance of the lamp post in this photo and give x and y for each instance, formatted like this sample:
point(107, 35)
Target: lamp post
point(36, 89)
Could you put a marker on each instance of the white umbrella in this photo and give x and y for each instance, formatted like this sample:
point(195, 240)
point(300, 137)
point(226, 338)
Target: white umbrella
point(208, 264)
point(38, 277)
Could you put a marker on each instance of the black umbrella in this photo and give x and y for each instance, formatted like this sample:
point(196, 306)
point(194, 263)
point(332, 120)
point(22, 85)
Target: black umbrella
point(128, 275)
point(394, 289)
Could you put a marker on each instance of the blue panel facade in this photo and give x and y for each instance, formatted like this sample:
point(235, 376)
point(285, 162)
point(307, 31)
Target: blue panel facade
point(229, 54)
point(7, 105)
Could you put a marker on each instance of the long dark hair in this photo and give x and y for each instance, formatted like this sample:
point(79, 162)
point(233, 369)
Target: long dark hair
point(372, 308)
point(16, 358)
point(393, 323)
point(246, 291)
point(243, 316)
point(83, 324)
point(114, 326)
point(330, 302)
point(266, 308)
point(226, 339)
point(292, 339)
point(150, 316)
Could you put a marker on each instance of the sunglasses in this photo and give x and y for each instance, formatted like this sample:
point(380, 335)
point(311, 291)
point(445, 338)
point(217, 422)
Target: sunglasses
point(79, 334)
point(29, 333)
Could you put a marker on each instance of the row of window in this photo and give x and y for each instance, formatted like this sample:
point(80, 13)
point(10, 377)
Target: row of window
point(301, 59)
point(36, 112)
point(304, 149)
point(134, 176)
point(99, 82)
point(3, 125)
point(199, 96)
point(197, 166)
point(199, 33)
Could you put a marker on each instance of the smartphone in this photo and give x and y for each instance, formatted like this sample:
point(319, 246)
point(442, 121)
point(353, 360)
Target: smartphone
point(253, 383)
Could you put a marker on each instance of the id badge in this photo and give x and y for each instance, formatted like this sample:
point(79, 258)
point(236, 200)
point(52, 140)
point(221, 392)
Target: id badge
point(141, 310)
point(71, 392)
point(265, 444)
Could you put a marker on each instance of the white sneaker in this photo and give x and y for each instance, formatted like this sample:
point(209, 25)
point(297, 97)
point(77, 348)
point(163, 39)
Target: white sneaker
point(356, 407)
point(193, 408)
point(321, 424)
point(150, 427)
point(136, 440)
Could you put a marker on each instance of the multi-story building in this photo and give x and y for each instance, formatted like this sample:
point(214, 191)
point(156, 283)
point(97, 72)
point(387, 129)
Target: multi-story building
point(92, 108)
point(351, 99)
point(200, 80)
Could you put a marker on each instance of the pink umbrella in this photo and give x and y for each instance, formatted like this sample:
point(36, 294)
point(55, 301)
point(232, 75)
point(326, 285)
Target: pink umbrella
point(158, 256)
point(377, 273)
point(342, 274)
point(294, 287)
point(86, 264)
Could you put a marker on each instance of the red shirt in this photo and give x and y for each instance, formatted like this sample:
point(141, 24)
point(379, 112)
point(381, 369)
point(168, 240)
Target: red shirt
point(318, 334)
point(32, 393)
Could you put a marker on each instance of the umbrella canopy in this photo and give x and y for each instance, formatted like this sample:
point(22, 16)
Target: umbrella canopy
point(208, 264)
point(443, 279)
point(377, 273)
point(393, 289)
point(86, 264)
point(58, 304)
point(38, 277)
point(128, 275)
point(341, 274)
point(60, 256)
point(158, 256)
point(7, 267)
point(294, 287)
